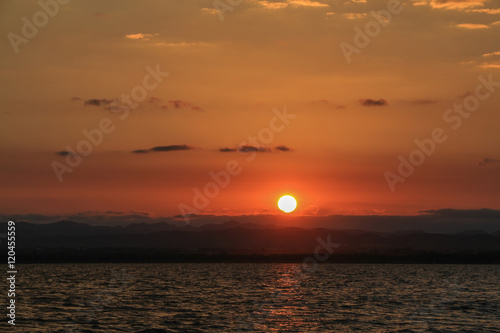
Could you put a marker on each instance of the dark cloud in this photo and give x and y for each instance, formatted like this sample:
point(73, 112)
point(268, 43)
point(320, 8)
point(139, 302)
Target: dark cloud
point(178, 104)
point(424, 101)
point(154, 100)
point(98, 102)
point(487, 161)
point(464, 213)
point(283, 148)
point(171, 148)
point(163, 148)
point(253, 149)
point(64, 153)
point(373, 102)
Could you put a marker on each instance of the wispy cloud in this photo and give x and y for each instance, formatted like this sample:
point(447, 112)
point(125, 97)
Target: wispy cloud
point(97, 102)
point(272, 5)
point(211, 11)
point(64, 153)
point(307, 3)
point(141, 36)
point(494, 65)
point(163, 149)
point(455, 4)
point(373, 102)
point(490, 11)
point(253, 149)
point(472, 26)
point(496, 53)
point(354, 16)
point(283, 148)
point(292, 3)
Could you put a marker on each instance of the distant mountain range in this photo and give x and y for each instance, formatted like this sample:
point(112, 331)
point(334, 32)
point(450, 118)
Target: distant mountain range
point(236, 238)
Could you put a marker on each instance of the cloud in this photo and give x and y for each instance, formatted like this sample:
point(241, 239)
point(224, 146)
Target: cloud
point(489, 11)
point(227, 150)
point(307, 3)
point(472, 26)
point(292, 3)
point(488, 161)
point(496, 53)
point(494, 65)
point(283, 148)
point(181, 44)
point(439, 220)
point(373, 102)
point(180, 104)
point(152, 101)
point(97, 102)
point(253, 149)
point(163, 149)
point(272, 5)
point(64, 153)
point(455, 4)
point(424, 101)
point(156, 40)
point(311, 210)
point(141, 36)
point(171, 148)
point(354, 16)
point(483, 213)
point(211, 11)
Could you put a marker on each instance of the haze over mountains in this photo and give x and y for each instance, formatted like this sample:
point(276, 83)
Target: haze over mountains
point(435, 221)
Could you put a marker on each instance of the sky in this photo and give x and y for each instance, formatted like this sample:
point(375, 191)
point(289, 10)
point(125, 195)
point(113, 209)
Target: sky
point(220, 107)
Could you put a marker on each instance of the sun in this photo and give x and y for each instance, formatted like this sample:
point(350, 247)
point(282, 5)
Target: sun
point(287, 203)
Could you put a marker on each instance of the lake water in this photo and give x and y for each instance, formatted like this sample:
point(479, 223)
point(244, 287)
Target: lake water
point(257, 298)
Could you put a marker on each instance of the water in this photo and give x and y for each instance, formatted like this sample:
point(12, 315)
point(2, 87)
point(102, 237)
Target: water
point(257, 298)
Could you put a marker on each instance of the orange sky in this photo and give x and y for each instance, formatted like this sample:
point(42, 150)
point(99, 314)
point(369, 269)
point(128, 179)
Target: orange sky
point(227, 80)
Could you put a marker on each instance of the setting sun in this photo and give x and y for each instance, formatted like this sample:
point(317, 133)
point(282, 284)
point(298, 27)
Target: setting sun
point(287, 203)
